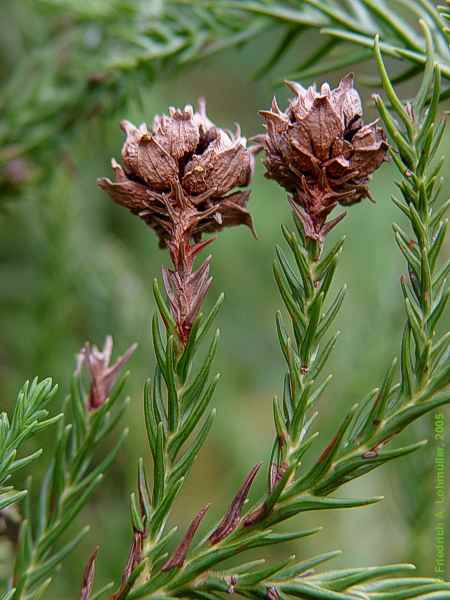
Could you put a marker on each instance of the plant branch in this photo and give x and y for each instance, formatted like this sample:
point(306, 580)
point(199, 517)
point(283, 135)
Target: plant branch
point(67, 486)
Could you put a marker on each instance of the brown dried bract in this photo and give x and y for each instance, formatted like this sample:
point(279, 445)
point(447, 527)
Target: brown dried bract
point(134, 559)
point(320, 150)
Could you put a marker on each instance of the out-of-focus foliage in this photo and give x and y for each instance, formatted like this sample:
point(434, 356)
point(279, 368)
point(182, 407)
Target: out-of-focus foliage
point(30, 415)
point(66, 487)
point(351, 24)
point(85, 60)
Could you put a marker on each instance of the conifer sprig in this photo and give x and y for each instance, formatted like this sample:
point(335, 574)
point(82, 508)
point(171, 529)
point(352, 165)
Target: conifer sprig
point(178, 416)
point(360, 444)
point(110, 48)
point(181, 203)
point(182, 176)
point(68, 483)
point(30, 415)
point(352, 23)
point(362, 441)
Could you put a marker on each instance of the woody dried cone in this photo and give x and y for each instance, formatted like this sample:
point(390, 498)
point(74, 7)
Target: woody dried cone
point(183, 178)
point(321, 152)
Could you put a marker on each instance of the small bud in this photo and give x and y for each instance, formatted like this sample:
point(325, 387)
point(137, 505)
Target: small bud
point(103, 376)
point(17, 172)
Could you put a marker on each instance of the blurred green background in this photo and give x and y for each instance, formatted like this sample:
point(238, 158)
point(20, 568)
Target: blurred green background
point(75, 267)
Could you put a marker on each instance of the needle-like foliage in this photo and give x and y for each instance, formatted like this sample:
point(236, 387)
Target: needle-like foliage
point(180, 177)
point(30, 415)
point(348, 28)
point(70, 480)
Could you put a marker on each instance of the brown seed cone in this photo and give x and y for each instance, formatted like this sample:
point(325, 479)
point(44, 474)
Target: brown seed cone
point(321, 152)
point(182, 178)
point(183, 171)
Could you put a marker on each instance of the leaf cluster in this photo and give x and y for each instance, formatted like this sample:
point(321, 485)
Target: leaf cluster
point(67, 485)
point(30, 415)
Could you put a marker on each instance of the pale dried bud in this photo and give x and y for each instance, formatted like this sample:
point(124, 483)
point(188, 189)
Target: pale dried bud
point(231, 581)
point(183, 169)
point(102, 375)
point(321, 152)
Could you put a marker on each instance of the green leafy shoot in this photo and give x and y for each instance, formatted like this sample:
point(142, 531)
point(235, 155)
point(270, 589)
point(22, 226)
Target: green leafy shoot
point(71, 478)
point(30, 415)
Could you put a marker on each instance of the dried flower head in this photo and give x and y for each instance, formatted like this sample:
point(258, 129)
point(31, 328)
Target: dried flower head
point(183, 168)
point(103, 376)
point(320, 150)
point(182, 177)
